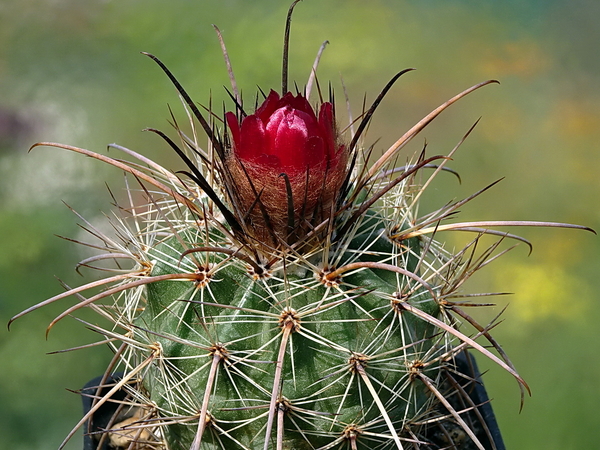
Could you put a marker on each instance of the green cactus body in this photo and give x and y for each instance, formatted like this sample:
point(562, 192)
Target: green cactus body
point(322, 350)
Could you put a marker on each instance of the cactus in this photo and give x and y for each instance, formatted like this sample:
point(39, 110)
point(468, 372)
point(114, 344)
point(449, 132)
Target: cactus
point(284, 291)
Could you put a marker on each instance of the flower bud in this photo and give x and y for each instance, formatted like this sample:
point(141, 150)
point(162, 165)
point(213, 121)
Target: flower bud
point(284, 158)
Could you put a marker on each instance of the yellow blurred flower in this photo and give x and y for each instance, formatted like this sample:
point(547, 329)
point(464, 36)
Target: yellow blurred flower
point(543, 291)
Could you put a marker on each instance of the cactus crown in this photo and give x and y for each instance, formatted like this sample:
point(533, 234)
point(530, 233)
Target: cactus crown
point(285, 293)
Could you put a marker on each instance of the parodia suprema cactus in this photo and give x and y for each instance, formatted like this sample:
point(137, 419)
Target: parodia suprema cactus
point(285, 293)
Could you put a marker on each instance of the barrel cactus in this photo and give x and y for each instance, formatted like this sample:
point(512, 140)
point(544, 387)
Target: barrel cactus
point(285, 292)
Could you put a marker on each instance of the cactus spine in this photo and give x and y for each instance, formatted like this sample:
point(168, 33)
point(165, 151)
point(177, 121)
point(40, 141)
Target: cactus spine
point(289, 305)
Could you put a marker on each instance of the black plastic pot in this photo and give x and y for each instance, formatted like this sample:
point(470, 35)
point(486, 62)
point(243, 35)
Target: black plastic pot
point(488, 432)
point(108, 413)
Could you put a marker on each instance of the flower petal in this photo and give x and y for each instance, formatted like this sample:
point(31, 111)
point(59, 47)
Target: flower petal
point(298, 102)
point(288, 132)
point(268, 107)
point(234, 129)
point(314, 151)
point(327, 123)
point(252, 138)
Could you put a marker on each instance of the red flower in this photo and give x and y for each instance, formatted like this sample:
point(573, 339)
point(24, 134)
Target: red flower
point(285, 136)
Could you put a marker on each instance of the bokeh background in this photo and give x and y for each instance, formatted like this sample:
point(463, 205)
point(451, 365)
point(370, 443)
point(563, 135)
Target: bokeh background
point(71, 72)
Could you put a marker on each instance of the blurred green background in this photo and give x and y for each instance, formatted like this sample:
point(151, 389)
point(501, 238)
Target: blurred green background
point(71, 72)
